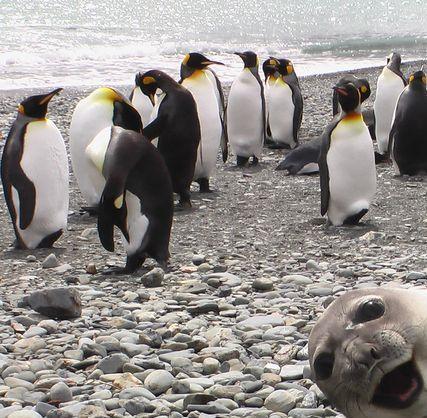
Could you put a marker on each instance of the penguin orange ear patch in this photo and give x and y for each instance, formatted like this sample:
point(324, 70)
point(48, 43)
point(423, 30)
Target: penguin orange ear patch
point(411, 78)
point(289, 68)
point(21, 109)
point(424, 80)
point(148, 80)
point(186, 58)
point(363, 89)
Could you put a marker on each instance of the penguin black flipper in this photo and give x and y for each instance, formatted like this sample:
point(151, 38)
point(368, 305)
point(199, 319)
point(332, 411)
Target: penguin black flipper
point(264, 107)
point(13, 176)
point(120, 159)
point(298, 103)
point(323, 166)
point(155, 128)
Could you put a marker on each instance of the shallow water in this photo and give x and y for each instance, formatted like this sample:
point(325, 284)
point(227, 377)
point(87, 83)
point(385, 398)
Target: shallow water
point(76, 42)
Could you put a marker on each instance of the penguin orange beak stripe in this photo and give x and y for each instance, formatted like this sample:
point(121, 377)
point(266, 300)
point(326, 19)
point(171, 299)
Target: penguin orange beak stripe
point(211, 62)
point(49, 96)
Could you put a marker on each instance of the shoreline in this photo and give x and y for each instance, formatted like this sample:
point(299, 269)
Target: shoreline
point(125, 86)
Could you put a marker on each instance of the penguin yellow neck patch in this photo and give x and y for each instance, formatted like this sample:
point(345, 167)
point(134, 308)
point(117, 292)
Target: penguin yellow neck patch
point(352, 117)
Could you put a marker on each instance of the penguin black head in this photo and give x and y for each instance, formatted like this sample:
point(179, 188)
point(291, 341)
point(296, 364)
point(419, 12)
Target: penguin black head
point(249, 58)
point(418, 80)
point(151, 80)
point(269, 67)
point(394, 59)
point(198, 61)
point(36, 106)
point(285, 67)
point(361, 83)
point(348, 96)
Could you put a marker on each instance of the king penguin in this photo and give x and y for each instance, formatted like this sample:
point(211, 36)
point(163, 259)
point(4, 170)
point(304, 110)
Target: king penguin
point(246, 111)
point(137, 198)
point(389, 86)
point(141, 102)
point(194, 77)
point(34, 173)
point(408, 136)
point(346, 162)
point(270, 77)
point(285, 106)
point(103, 108)
point(177, 128)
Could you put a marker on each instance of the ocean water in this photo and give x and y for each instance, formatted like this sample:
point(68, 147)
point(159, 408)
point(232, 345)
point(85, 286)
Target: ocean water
point(47, 43)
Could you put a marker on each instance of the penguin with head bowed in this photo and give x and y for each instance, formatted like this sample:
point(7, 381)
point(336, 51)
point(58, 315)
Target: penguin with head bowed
point(94, 115)
point(195, 77)
point(137, 198)
point(389, 86)
point(246, 111)
point(177, 128)
point(285, 106)
point(408, 136)
point(141, 102)
point(34, 173)
point(304, 159)
point(270, 77)
point(346, 162)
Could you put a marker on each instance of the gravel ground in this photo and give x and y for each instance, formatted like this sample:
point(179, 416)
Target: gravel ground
point(252, 267)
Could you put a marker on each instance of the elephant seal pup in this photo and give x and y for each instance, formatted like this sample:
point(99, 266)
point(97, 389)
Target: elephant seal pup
point(368, 353)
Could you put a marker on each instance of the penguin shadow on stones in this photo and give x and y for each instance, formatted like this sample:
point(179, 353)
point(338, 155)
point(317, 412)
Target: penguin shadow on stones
point(349, 231)
point(248, 168)
point(12, 253)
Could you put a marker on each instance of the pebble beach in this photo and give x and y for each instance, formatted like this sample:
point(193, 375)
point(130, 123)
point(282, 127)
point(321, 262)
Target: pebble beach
point(224, 332)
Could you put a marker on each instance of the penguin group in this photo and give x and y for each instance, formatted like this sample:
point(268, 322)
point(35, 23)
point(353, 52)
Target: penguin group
point(130, 155)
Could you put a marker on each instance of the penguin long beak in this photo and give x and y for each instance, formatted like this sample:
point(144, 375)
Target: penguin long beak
point(340, 90)
point(47, 97)
point(240, 54)
point(209, 62)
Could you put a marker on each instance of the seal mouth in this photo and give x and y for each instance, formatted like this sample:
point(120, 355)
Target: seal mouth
point(400, 388)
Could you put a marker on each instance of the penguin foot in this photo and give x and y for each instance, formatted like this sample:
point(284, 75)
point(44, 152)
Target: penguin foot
point(91, 210)
point(182, 206)
point(255, 161)
point(242, 161)
point(381, 158)
point(204, 185)
point(354, 219)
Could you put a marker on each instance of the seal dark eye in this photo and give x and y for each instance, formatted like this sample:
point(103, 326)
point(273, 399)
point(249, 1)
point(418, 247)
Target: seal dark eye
point(370, 310)
point(323, 365)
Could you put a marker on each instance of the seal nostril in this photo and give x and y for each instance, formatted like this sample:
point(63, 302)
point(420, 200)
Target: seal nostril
point(375, 354)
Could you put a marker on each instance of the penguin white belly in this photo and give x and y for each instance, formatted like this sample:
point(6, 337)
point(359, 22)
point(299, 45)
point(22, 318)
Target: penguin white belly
point(389, 87)
point(95, 153)
point(269, 82)
point(245, 116)
point(44, 161)
point(309, 168)
point(281, 113)
point(210, 123)
point(136, 222)
point(143, 105)
point(352, 172)
point(88, 119)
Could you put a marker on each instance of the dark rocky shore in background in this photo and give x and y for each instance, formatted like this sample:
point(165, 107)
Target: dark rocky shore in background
point(252, 267)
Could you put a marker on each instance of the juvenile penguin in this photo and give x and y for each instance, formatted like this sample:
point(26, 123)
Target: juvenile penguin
point(137, 198)
point(34, 173)
point(141, 102)
point(304, 159)
point(389, 86)
point(102, 109)
point(246, 111)
point(177, 128)
point(408, 136)
point(194, 77)
point(285, 106)
point(346, 162)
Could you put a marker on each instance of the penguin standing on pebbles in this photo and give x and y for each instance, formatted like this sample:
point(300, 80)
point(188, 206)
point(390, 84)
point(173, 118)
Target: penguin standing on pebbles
point(34, 173)
point(347, 163)
point(195, 77)
point(389, 86)
point(285, 106)
point(408, 136)
point(246, 111)
point(177, 127)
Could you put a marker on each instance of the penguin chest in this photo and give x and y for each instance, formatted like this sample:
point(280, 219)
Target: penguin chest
point(89, 118)
point(136, 223)
point(143, 105)
point(281, 113)
point(389, 88)
point(158, 99)
point(245, 119)
point(45, 163)
point(97, 149)
point(210, 122)
point(351, 166)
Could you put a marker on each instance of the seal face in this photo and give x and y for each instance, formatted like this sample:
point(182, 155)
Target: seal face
point(368, 355)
